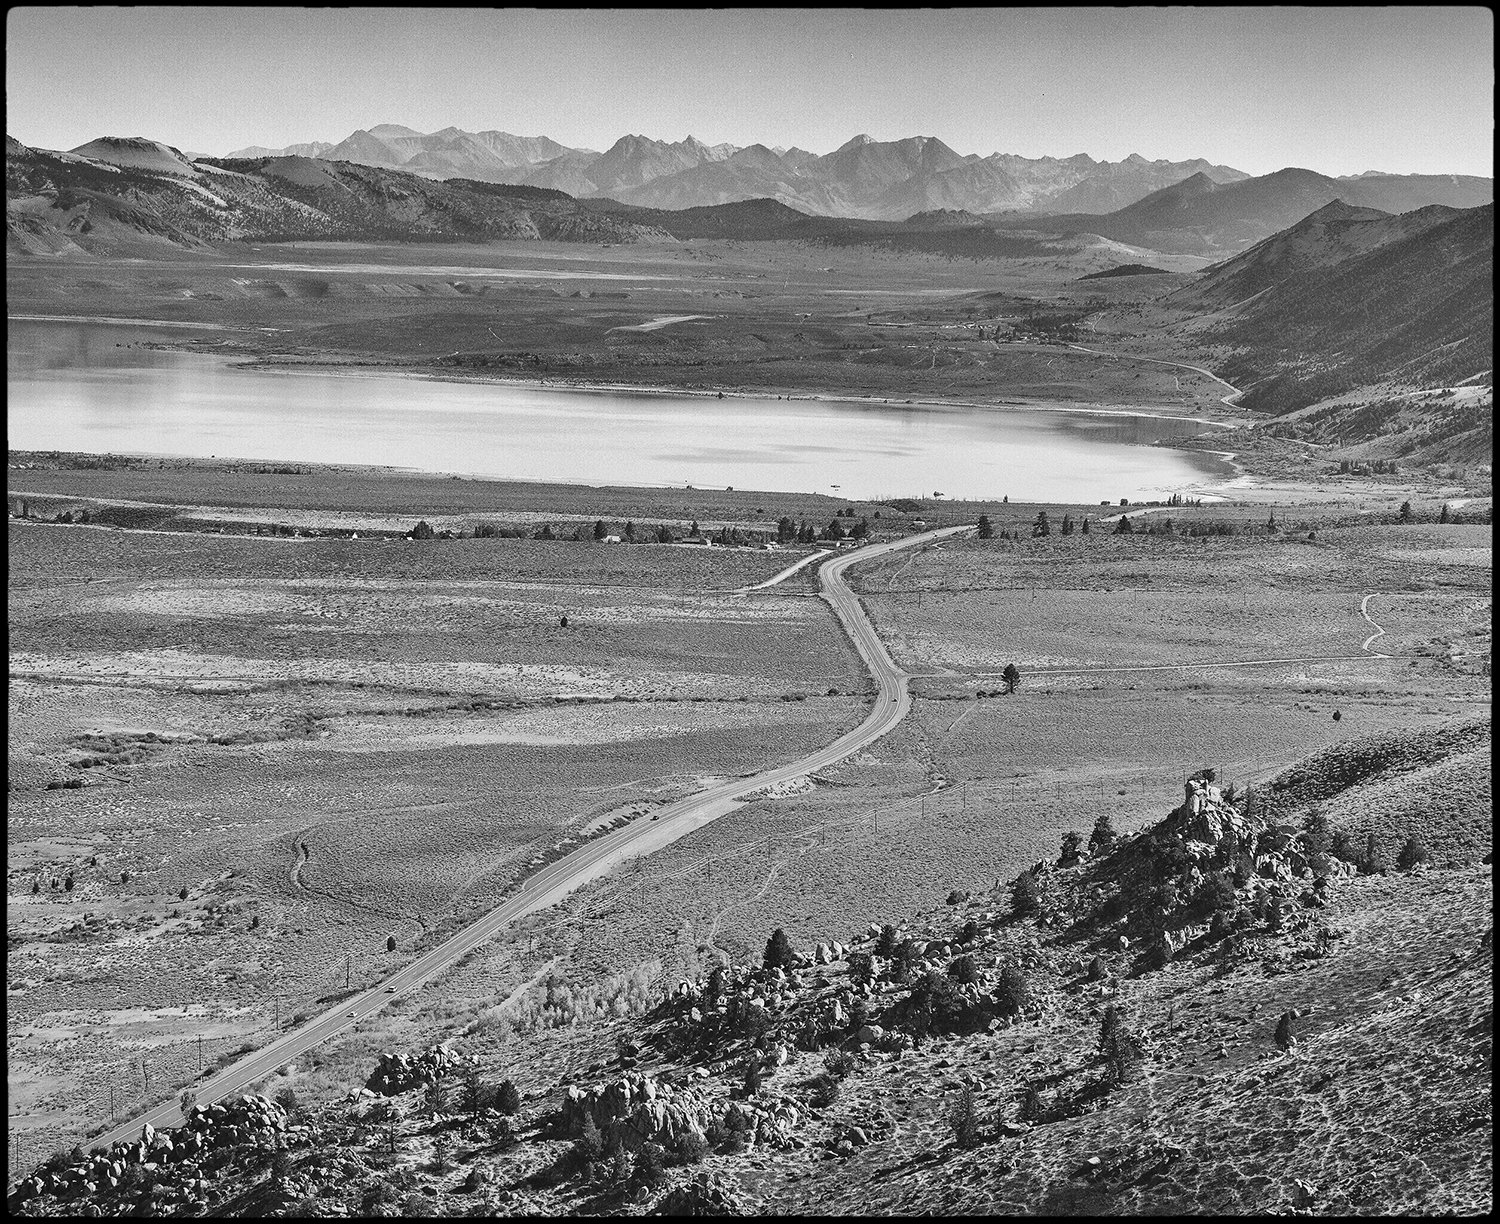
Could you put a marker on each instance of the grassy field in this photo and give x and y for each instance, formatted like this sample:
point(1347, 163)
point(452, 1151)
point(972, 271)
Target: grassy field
point(270, 724)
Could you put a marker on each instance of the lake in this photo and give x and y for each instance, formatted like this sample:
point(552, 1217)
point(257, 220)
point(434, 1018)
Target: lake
point(91, 387)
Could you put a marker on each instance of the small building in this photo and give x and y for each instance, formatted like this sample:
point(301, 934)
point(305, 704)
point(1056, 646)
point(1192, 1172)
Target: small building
point(611, 540)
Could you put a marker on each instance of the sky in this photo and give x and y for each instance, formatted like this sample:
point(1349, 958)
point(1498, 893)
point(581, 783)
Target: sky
point(1337, 90)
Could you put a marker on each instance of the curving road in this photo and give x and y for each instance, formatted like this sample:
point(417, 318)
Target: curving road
point(558, 879)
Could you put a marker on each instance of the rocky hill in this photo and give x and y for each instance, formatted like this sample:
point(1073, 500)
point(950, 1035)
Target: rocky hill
point(1234, 1011)
point(139, 197)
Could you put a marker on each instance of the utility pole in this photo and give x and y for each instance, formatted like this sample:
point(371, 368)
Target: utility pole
point(348, 965)
point(112, 1095)
point(146, 1076)
point(278, 1012)
point(200, 1058)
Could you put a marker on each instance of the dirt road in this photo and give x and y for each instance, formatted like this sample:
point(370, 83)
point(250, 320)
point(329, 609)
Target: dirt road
point(558, 879)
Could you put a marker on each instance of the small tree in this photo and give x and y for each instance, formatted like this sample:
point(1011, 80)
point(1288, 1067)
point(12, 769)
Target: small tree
point(649, 1165)
point(1030, 1109)
point(963, 1120)
point(1067, 525)
point(778, 954)
point(1072, 848)
point(885, 942)
point(1412, 853)
point(630, 533)
point(753, 1075)
point(1085, 529)
point(600, 530)
point(1013, 991)
point(1446, 515)
point(422, 531)
point(1317, 840)
point(1041, 527)
point(508, 1098)
point(1012, 677)
point(1096, 970)
point(1023, 895)
point(1104, 834)
point(588, 1148)
point(182, 893)
point(188, 1102)
point(986, 528)
point(390, 943)
point(1124, 527)
point(861, 967)
point(1374, 860)
point(1406, 513)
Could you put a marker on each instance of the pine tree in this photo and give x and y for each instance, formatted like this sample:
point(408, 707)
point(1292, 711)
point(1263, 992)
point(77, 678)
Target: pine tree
point(885, 943)
point(986, 528)
point(1041, 527)
point(508, 1097)
point(778, 954)
point(1123, 527)
point(1067, 525)
point(963, 1120)
point(1104, 834)
point(1406, 513)
point(1023, 895)
point(1085, 529)
point(1012, 677)
point(1446, 516)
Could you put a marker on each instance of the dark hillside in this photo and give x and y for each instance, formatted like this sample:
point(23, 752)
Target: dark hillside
point(1418, 311)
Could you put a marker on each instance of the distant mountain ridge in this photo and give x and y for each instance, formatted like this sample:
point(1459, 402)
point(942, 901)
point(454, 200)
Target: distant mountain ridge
point(864, 178)
point(1201, 216)
point(130, 195)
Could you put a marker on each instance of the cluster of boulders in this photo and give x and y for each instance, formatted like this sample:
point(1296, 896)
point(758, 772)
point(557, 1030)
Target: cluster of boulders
point(167, 1161)
point(704, 1195)
point(637, 1109)
point(398, 1073)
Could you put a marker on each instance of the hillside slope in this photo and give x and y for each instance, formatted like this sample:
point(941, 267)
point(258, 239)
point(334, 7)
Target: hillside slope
point(1214, 1015)
point(1415, 312)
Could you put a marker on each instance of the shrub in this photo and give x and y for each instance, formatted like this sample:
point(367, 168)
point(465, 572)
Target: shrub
point(691, 1148)
point(964, 970)
point(182, 893)
point(825, 1091)
point(187, 1102)
point(1096, 969)
point(963, 1120)
point(1013, 991)
point(885, 943)
point(422, 531)
point(1218, 894)
point(507, 1097)
point(1030, 1109)
point(958, 896)
point(969, 933)
point(1023, 895)
point(1412, 853)
point(1072, 848)
point(840, 1063)
point(1373, 861)
point(281, 1166)
point(753, 1075)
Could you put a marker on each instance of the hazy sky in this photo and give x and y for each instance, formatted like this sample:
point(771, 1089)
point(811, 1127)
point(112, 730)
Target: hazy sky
point(1338, 90)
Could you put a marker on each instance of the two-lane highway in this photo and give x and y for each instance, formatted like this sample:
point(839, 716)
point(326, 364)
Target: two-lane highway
point(558, 879)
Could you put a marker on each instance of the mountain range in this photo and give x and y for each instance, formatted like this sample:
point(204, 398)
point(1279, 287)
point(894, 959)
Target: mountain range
point(864, 178)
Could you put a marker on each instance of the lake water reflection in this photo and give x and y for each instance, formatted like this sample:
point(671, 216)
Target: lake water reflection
point(89, 387)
